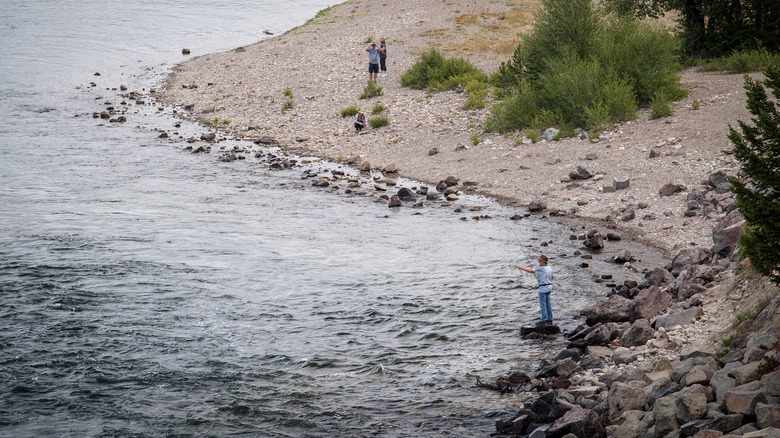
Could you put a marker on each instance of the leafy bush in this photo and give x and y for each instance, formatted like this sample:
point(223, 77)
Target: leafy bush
point(288, 92)
point(660, 106)
point(576, 69)
point(378, 121)
point(475, 140)
point(371, 90)
point(476, 92)
point(350, 111)
point(433, 71)
point(378, 108)
point(287, 105)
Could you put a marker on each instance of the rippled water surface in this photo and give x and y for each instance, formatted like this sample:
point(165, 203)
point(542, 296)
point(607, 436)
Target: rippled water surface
point(147, 291)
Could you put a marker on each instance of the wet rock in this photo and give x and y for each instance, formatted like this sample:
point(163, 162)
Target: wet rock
point(395, 201)
point(390, 168)
point(405, 194)
point(266, 139)
point(580, 173)
point(613, 236)
point(185, 51)
point(163, 135)
point(209, 136)
point(622, 256)
point(543, 329)
point(595, 242)
point(579, 422)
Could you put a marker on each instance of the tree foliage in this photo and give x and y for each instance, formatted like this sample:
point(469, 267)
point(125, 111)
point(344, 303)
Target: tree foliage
point(715, 27)
point(757, 148)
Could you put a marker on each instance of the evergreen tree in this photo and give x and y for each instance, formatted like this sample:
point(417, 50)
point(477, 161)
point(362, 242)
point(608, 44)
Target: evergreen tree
point(757, 148)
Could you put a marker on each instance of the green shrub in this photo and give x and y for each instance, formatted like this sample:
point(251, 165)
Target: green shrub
point(660, 106)
point(371, 90)
point(378, 108)
point(350, 111)
point(433, 71)
point(288, 92)
point(580, 67)
point(378, 121)
point(476, 91)
point(287, 105)
point(475, 140)
point(532, 135)
point(742, 62)
point(695, 104)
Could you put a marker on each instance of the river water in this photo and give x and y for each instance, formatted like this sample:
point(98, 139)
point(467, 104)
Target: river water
point(148, 291)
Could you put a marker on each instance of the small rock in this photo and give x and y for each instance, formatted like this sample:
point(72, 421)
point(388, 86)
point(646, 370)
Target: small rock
point(550, 134)
point(185, 51)
point(621, 182)
point(537, 205)
point(433, 151)
point(580, 172)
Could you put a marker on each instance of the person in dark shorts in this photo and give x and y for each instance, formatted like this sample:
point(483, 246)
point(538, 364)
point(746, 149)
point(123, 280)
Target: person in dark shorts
point(382, 57)
point(373, 60)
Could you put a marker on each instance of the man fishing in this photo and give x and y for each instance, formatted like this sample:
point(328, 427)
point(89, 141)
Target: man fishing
point(544, 276)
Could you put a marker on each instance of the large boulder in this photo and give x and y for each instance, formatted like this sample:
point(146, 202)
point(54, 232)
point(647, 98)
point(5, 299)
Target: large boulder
point(768, 415)
point(638, 334)
point(665, 413)
point(649, 303)
point(615, 309)
point(724, 241)
point(582, 423)
point(691, 403)
point(659, 277)
point(771, 383)
point(721, 382)
point(744, 402)
point(686, 258)
point(624, 398)
point(678, 316)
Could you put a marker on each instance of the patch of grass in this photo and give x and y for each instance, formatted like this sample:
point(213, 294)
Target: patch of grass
point(378, 121)
point(368, 39)
point(287, 105)
point(378, 108)
point(433, 71)
point(660, 106)
point(288, 92)
point(350, 111)
point(533, 135)
point(745, 61)
point(475, 140)
point(695, 104)
point(371, 90)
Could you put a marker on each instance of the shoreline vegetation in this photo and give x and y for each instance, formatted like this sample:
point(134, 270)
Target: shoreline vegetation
point(669, 354)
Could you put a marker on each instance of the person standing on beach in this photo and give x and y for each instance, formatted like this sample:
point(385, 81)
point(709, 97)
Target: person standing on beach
point(382, 56)
point(544, 277)
point(373, 60)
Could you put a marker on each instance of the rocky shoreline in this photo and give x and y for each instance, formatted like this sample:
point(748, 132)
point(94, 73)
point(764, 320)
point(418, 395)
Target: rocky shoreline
point(643, 363)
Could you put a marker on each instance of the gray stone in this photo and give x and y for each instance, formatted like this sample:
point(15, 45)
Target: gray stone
point(595, 242)
point(745, 374)
point(721, 383)
point(550, 134)
point(771, 383)
point(579, 422)
point(649, 303)
point(628, 215)
point(679, 317)
point(691, 403)
point(686, 258)
point(726, 423)
point(768, 415)
point(717, 178)
point(579, 173)
point(670, 189)
point(659, 277)
point(770, 432)
point(665, 412)
point(755, 344)
point(621, 182)
point(537, 205)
